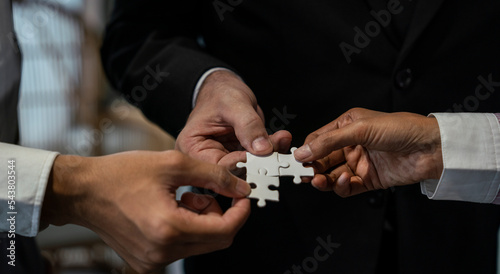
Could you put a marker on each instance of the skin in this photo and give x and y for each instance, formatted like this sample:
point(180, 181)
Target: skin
point(226, 121)
point(134, 193)
point(364, 150)
point(128, 199)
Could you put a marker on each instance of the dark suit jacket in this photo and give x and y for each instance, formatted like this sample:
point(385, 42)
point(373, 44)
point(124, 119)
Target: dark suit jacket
point(289, 53)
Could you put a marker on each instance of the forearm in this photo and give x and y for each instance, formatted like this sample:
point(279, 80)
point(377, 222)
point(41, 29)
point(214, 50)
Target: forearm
point(155, 61)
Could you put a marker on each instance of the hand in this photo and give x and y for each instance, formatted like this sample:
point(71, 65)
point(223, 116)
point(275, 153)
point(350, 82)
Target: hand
point(128, 199)
point(364, 150)
point(226, 120)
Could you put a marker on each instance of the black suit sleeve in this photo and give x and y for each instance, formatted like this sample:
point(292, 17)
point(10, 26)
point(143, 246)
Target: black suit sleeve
point(151, 55)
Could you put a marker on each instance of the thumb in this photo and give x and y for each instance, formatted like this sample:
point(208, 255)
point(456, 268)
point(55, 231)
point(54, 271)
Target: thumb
point(214, 177)
point(250, 130)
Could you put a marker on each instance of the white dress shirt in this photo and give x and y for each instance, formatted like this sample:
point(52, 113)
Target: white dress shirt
point(471, 158)
point(32, 169)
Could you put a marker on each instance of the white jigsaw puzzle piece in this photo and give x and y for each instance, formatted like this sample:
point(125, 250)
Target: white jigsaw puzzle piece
point(270, 163)
point(295, 168)
point(262, 191)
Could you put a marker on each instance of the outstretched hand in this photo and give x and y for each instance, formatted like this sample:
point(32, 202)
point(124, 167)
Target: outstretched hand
point(365, 150)
point(129, 200)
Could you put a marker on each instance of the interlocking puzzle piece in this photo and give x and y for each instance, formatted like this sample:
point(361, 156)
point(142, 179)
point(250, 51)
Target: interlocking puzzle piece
point(294, 168)
point(270, 163)
point(262, 191)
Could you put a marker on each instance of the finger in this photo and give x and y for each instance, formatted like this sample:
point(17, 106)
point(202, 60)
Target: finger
point(213, 208)
point(326, 182)
point(341, 121)
point(281, 141)
point(231, 159)
point(250, 130)
point(324, 144)
point(322, 182)
point(196, 202)
point(212, 228)
point(347, 185)
point(210, 176)
point(237, 214)
point(332, 160)
point(326, 128)
point(345, 121)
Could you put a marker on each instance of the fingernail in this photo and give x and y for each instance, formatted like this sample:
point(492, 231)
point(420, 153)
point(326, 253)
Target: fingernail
point(303, 152)
point(243, 188)
point(343, 179)
point(261, 144)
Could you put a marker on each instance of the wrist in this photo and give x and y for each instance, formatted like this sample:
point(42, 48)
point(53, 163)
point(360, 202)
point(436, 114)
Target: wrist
point(223, 84)
point(434, 162)
point(66, 190)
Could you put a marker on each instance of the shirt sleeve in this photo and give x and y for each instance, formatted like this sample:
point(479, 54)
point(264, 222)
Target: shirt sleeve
point(202, 80)
point(471, 158)
point(31, 172)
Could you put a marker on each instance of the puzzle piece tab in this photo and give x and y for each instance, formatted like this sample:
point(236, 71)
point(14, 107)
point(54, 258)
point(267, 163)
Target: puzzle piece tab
point(262, 191)
point(270, 163)
point(264, 171)
point(293, 167)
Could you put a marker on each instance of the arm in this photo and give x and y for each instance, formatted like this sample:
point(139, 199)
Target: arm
point(364, 150)
point(150, 54)
point(226, 116)
point(128, 199)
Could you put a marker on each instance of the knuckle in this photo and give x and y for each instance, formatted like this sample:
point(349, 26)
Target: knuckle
point(311, 137)
point(219, 179)
point(251, 119)
point(222, 176)
point(176, 160)
point(356, 109)
point(161, 232)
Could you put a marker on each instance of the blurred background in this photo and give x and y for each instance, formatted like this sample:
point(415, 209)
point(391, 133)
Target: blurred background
point(66, 105)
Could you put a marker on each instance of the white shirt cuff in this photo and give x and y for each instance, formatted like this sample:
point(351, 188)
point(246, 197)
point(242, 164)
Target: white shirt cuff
point(32, 169)
point(202, 79)
point(471, 158)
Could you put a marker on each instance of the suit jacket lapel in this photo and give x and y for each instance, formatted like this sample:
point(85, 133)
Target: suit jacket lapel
point(423, 15)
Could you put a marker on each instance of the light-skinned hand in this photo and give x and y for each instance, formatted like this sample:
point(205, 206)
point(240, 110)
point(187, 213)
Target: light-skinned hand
point(227, 120)
point(129, 200)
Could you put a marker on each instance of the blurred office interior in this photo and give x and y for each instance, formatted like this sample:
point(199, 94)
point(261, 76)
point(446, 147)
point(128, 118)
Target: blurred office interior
point(66, 105)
